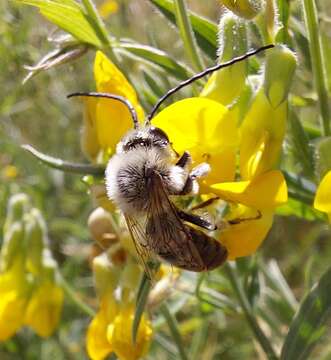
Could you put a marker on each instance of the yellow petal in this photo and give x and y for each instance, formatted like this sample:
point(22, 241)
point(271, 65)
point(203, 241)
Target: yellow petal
point(14, 295)
point(97, 344)
point(107, 8)
point(244, 238)
point(12, 307)
point(261, 136)
point(266, 191)
point(44, 309)
point(323, 195)
point(89, 138)
point(96, 339)
point(202, 127)
point(112, 117)
point(225, 85)
point(119, 335)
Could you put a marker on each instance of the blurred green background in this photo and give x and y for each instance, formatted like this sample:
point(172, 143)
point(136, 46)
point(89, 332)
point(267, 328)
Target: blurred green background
point(39, 114)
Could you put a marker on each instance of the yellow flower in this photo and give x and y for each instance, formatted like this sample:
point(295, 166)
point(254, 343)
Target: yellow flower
point(323, 195)
point(9, 172)
point(110, 118)
point(252, 204)
point(208, 131)
point(262, 133)
point(111, 329)
point(14, 295)
point(204, 128)
point(44, 309)
point(97, 344)
point(107, 8)
point(266, 191)
point(244, 238)
point(119, 335)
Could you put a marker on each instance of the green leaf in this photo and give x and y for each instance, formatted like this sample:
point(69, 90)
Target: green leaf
point(65, 166)
point(69, 16)
point(156, 57)
point(308, 324)
point(153, 82)
point(323, 156)
point(142, 296)
point(204, 30)
point(296, 208)
point(300, 144)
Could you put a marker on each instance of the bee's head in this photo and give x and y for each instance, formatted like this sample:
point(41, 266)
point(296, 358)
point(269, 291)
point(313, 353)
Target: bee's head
point(148, 138)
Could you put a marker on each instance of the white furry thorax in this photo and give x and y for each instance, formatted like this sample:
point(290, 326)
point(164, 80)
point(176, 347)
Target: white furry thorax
point(126, 180)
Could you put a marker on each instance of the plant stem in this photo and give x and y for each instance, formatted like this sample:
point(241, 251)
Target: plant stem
point(72, 295)
point(250, 317)
point(186, 33)
point(173, 326)
point(311, 20)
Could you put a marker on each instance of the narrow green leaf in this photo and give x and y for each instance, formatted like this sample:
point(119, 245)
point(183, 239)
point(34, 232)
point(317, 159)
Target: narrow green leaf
point(173, 327)
point(142, 296)
point(300, 145)
point(69, 16)
point(204, 30)
point(153, 82)
point(55, 163)
point(156, 57)
point(323, 156)
point(308, 324)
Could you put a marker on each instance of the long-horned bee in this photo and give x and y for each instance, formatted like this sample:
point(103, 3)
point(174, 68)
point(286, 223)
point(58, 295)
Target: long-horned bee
point(140, 179)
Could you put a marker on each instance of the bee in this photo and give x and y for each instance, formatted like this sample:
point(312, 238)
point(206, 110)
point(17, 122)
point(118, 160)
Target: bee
point(142, 177)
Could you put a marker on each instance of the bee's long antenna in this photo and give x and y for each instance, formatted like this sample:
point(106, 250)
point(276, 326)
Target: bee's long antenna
point(204, 73)
point(123, 100)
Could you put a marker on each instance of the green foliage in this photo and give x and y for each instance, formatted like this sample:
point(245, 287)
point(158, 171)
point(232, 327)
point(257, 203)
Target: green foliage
point(209, 316)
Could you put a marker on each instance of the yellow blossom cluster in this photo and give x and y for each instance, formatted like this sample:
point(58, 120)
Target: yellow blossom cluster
point(30, 293)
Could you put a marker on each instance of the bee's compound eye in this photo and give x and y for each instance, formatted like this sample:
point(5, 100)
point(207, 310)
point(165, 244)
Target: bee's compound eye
point(159, 134)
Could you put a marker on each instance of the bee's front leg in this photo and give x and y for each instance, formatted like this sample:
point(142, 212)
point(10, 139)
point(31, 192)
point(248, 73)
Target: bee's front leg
point(184, 160)
point(191, 185)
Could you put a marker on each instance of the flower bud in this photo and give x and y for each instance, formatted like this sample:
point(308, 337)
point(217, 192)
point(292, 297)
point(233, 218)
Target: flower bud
point(279, 70)
point(13, 245)
point(246, 9)
point(100, 198)
point(106, 275)
point(101, 228)
point(322, 156)
point(18, 204)
point(226, 84)
point(35, 235)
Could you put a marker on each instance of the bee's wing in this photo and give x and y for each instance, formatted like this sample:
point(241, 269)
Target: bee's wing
point(138, 235)
point(166, 231)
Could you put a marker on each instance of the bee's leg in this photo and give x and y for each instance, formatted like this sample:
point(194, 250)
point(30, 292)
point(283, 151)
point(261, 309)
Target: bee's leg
point(184, 160)
point(197, 172)
point(205, 203)
point(239, 220)
point(196, 220)
point(200, 171)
